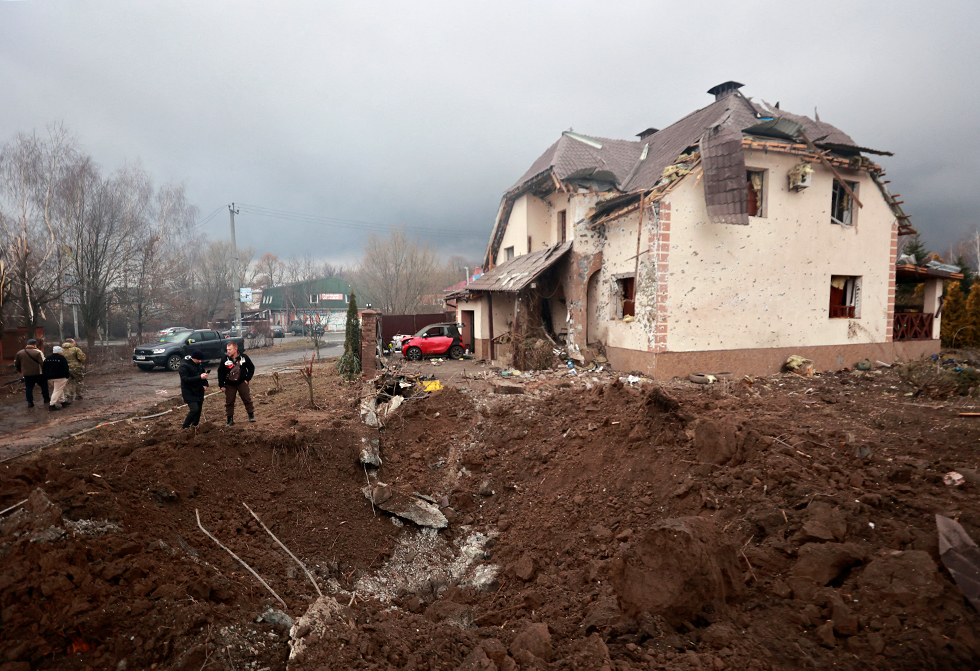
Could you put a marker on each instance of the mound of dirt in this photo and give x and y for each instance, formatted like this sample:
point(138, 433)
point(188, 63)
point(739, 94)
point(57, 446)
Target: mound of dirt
point(591, 523)
point(677, 568)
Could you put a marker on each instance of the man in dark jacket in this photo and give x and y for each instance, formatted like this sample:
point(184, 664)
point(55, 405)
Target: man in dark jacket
point(234, 372)
point(28, 363)
point(55, 368)
point(193, 380)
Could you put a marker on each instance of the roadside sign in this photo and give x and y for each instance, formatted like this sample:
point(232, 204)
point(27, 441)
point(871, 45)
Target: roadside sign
point(72, 295)
point(245, 294)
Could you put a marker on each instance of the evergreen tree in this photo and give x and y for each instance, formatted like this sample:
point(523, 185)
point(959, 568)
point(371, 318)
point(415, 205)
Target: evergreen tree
point(969, 334)
point(915, 247)
point(954, 315)
point(350, 362)
point(969, 277)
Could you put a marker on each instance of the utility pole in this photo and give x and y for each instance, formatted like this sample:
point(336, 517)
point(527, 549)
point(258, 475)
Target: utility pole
point(234, 247)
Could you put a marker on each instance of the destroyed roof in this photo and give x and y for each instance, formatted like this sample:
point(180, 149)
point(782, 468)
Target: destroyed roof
point(576, 156)
point(908, 271)
point(638, 165)
point(517, 273)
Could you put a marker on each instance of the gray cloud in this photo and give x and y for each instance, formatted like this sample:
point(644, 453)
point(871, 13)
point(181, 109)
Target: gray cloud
point(421, 114)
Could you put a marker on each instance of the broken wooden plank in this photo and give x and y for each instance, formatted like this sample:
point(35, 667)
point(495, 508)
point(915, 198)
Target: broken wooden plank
point(837, 175)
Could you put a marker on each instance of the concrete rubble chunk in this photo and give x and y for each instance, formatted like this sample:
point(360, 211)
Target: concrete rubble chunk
point(371, 453)
point(369, 411)
point(323, 613)
point(406, 506)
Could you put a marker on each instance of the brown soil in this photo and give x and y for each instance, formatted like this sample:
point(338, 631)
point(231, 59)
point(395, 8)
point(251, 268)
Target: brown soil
point(592, 525)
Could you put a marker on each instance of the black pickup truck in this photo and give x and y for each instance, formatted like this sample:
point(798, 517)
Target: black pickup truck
point(171, 349)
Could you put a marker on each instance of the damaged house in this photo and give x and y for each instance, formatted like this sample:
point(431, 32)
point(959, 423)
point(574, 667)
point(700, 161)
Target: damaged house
point(728, 241)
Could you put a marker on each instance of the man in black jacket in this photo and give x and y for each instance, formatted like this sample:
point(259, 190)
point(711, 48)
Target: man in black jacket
point(193, 380)
point(234, 372)
point(55, 368)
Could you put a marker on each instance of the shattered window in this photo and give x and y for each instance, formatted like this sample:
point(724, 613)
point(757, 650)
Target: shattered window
point(562, 233)
point(625, 288)
point(509, 253)
point(841, 204)
point(314, 298)
point(754, 182)
point(845, 293)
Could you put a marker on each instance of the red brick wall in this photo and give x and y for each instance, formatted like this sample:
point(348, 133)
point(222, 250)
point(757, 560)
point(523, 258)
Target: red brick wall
point(660, 241)
point(892, 257)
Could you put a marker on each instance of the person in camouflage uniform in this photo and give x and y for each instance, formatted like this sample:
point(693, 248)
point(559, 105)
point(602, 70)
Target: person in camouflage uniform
point(76, 366)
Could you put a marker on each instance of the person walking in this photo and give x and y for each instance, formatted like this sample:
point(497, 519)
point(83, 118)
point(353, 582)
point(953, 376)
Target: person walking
point(234, 372)
point(193, 380)
point(76, 365)
point(28, 363)
point(55, 368)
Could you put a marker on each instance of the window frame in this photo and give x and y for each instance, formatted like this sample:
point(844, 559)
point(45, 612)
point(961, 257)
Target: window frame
point(763, 201)
point(849, 306)
point(562, 225)
point(837, 194)
point(622, 285)
point(508, 253)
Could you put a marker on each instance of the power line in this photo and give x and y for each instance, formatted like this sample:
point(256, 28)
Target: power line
point(208, 218)
point(354, 224)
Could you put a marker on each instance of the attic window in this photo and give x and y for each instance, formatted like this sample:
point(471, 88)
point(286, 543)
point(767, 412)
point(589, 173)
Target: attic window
point(845, 297)
point(314, 298)
point(626, 295)
point(561, 226)
point(842, 205)
point(509, 253)
point(755, 181)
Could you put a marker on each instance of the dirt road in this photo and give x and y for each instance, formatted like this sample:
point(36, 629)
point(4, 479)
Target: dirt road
point(113, 396)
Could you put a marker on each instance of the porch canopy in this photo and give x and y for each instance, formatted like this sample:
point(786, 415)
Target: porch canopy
point(514, 275)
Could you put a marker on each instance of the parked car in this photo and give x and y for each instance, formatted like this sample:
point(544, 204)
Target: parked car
point(299, 327)
point(434, 340)
point(235, 333)
point(172, 348)
point(278, 331)
point(173, 329)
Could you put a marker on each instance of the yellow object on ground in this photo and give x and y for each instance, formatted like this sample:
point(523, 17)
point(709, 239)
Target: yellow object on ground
point(431, 385)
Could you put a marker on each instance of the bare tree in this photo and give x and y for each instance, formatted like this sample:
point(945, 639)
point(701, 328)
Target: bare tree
point(155, 258)
point(31, 169)
point(269, 271)
point(398, 275)
point(98, 223)
point(216, 274)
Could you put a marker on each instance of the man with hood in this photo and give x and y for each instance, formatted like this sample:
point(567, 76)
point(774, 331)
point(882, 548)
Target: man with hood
point(193, 380)
point(55, 368)
point(28, 363)
point(76, 364)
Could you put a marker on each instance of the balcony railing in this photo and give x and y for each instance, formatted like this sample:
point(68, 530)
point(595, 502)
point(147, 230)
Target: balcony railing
point(912, 326)
point(842, 312)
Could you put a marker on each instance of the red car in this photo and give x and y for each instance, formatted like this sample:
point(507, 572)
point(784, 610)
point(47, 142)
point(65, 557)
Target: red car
point(434, 340)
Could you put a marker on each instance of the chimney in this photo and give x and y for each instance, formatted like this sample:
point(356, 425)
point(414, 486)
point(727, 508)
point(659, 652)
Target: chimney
point(643, 135)
point(725, 89)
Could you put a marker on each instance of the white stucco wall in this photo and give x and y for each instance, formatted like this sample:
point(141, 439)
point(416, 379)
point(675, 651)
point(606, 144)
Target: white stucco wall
point(768, 284)
point(618, 259)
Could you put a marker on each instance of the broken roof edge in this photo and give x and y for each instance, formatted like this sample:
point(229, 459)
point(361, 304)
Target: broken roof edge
point(908, 270)
point(515, 274)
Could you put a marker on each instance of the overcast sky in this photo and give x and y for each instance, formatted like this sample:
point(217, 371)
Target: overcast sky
point(421, 114)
